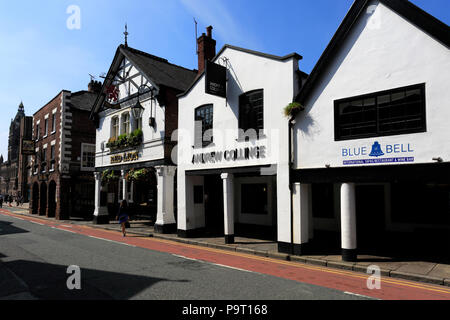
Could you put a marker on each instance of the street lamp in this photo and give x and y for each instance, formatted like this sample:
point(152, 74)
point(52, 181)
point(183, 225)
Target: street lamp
point(138, 110)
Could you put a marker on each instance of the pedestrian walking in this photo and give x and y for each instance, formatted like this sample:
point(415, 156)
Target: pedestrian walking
point(10, 200)
point(122, 216)
point(1, 201)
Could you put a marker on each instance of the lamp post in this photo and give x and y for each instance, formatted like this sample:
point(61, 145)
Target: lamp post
point(138, 110)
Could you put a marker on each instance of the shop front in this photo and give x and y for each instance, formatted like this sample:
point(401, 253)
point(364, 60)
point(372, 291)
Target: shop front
point(371, 168)
point(233, 168)
point(136, 115)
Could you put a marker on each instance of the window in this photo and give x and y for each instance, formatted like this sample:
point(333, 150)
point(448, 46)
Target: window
point(204, 125)
point(38, 131)
point(254, 199)
point(115, 127)
point(52, 158)
point(251, 112)
point(44, 160)
point(46, 128)
point(54, 123)
point(125, 123)
point(138, 123)
point(88, 156)
point(397, 111)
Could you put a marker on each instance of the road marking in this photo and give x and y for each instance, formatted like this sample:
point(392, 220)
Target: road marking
point(212, 263)
point(360, 295)
point(183, 257)
point(234, 268)
point(67, 230)
point(118, 242)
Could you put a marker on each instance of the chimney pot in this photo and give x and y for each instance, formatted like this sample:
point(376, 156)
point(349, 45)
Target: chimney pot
point(209, 31)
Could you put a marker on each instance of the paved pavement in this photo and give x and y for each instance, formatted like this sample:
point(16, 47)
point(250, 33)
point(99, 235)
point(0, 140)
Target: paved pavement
point(422, 271)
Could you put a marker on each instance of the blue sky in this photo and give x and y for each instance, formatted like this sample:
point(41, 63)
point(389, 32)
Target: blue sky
point(41, 56)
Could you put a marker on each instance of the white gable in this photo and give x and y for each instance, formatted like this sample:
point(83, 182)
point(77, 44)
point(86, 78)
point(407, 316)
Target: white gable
point(383, 51)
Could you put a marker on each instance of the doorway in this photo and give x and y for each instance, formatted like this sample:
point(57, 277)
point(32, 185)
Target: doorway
point(214, 214)
point(370, 218)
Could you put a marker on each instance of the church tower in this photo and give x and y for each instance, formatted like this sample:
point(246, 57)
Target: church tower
point(14, 135)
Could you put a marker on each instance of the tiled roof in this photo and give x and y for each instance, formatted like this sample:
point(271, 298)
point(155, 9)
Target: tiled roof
point(82, 100)
point(160, 70)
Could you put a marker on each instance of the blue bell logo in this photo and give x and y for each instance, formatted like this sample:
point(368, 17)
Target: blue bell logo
point(376, 150)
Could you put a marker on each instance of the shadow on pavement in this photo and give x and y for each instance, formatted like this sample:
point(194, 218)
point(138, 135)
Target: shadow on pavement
point(49, 282)
point(8, 228)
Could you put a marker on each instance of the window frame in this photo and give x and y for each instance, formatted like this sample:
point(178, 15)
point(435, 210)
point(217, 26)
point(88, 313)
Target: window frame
point(203, 144)
point(84, 147)
point(376, 95)
point(125, 119)
point(241, 119)
point(53, 123)
point(115, 127)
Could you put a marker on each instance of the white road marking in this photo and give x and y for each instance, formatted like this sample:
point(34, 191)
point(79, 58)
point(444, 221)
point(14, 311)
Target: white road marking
point(37, 223)
point(211, 263)
point(183, 257)
point(359, 295)
point(66, 230)
point(234, 268)
point(126, 244)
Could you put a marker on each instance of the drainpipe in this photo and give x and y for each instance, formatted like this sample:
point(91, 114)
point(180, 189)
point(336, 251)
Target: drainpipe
point(291, 164)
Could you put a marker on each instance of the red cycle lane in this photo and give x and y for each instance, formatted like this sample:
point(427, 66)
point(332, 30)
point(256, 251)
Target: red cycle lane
point(345, 281)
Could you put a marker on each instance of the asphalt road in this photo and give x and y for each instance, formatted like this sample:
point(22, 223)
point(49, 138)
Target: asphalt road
point(34, 261)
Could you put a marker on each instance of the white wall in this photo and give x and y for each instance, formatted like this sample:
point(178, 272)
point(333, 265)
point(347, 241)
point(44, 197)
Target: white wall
point(153, 146)
point(247, 72)
point(383, 51)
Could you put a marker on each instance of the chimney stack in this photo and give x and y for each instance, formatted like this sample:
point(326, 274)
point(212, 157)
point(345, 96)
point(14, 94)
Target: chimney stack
point(95, 86)
point(206, 49)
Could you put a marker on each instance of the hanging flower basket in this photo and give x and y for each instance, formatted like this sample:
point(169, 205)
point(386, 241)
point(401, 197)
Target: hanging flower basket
point(139, 175)
point(292, 109)
point(109, 176)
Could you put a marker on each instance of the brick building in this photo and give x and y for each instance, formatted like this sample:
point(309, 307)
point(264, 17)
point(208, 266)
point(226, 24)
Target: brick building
point(61, 181)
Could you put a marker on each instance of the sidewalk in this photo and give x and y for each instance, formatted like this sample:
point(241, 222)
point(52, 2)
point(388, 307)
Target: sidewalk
point(421, 271)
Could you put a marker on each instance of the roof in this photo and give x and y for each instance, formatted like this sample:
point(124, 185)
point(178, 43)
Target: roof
point(158, 70)
point(82, 100)
point(426, 22)
point(257, 53)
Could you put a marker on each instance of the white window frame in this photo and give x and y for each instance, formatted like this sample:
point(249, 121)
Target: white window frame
point(115, 128)
point(83, 147)
point(125, 119)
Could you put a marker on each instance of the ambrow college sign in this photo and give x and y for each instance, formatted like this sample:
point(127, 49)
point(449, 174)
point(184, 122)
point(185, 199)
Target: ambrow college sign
point(126, 157)
point(230, 155)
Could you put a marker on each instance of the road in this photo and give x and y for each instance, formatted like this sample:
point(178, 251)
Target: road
point(35, 255)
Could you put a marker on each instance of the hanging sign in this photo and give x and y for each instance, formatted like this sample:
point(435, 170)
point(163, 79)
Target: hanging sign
point(215, 79)
point(28, 147)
